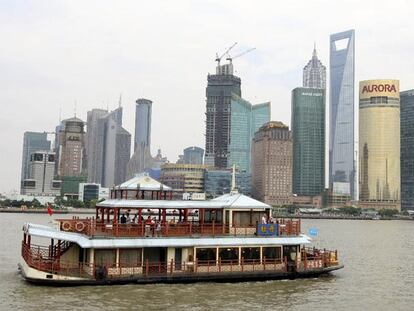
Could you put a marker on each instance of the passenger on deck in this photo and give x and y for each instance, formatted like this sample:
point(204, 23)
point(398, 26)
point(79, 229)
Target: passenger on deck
point(172, 221)
point(158, 229)
point(264, 219)
point(128, 219)
point(148, 226)
point(123, 219)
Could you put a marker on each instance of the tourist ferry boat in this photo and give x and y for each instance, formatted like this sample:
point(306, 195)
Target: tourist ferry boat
point(140, 235)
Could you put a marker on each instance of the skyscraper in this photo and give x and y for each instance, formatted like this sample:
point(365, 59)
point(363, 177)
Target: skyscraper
point(220, 88)
point(143, 112)
point(407, 150)
point(245, 120)
point(141, 158)
point(32, 142)
point(40, 180)
point(308, 132)
point(193, 155)
point(108, 147)
point(71, 148)
point(379, 143)
point(342, 160)
point(314, 73)
point(272, 164)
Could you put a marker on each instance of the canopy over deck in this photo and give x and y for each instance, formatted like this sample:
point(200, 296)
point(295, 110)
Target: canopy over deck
point(143, 182)
point(231, 201)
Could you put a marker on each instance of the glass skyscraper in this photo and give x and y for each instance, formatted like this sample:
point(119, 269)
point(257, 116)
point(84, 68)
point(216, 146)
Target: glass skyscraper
point(407, 149)
point(342, 157)
point(246, 119)
point(314, 73)
point(308, 132)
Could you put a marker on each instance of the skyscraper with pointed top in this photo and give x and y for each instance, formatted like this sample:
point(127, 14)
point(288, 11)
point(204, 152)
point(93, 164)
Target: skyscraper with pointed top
point(314, 73)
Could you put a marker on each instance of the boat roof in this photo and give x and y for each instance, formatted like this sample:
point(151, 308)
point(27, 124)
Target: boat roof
point(143, 182)
point(231, 200)
point(111, 242)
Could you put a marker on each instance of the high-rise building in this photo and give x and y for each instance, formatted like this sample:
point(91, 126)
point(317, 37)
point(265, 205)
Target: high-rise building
point(308, 133)
point(407, 149)
point(272, 164)
point(193, 155)
point(72, 148)
point(379, 143)
point(40, 180)
point(94, 144)
point(183, 177)
point(143, 112)
point(314, 73)
point(141, 158)
point(32, 142)
point(108, 147)
point(342, 159)
point(220, 88)
point(245, 120)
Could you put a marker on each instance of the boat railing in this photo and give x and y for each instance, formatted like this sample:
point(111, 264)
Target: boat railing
point(314, 258)
point(93, 227)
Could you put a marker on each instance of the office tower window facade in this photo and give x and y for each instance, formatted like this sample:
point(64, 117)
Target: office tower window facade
point(193, 155)
point(379, 142)
point(407, 149)
point(246, 119)
point(220, 88)
point(314, 73)
point(342, 160)
point(32, 142)
point(308, 133)
point(272, 164)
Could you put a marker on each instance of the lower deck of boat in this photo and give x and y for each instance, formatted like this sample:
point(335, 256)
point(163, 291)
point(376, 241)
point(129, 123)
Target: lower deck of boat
point(222, 277)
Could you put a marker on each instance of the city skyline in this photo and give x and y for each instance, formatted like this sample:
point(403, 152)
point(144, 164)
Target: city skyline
point(37, 86)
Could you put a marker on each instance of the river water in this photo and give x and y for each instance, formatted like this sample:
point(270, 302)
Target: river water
point(378, 275)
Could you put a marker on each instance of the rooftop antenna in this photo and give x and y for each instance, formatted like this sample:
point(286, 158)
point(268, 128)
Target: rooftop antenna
point(74, 109)
point(60, 114)
point(120, 100)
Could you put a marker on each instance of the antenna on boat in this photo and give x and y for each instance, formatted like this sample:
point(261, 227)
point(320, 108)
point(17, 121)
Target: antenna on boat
point(233, 180)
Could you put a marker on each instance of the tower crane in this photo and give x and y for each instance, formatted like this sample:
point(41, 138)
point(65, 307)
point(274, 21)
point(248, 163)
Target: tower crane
point(218, 58)
point(238, 55)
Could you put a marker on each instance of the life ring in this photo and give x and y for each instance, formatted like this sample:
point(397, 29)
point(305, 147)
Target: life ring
point(79, 226)
point(66, 226)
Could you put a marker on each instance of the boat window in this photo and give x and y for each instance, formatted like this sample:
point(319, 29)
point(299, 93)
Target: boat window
point(130, 257)
point(272, 252)
point(206, 254)
point(105, 257)
point(249, 253)
point(229, 254)
point(216, 215)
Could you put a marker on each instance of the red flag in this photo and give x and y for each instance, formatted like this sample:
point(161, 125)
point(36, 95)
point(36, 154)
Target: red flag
point(49, 210)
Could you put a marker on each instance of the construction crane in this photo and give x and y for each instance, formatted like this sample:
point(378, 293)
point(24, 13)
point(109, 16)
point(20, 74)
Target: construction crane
point(238, 55)
point(218, 58)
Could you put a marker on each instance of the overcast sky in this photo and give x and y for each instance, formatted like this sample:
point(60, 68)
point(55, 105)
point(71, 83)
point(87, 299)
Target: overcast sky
point(54, 53)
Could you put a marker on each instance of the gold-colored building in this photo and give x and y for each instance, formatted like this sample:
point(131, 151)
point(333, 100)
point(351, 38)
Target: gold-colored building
point(379, 142)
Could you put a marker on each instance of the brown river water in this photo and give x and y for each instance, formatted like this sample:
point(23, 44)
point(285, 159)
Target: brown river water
point(378, 275)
